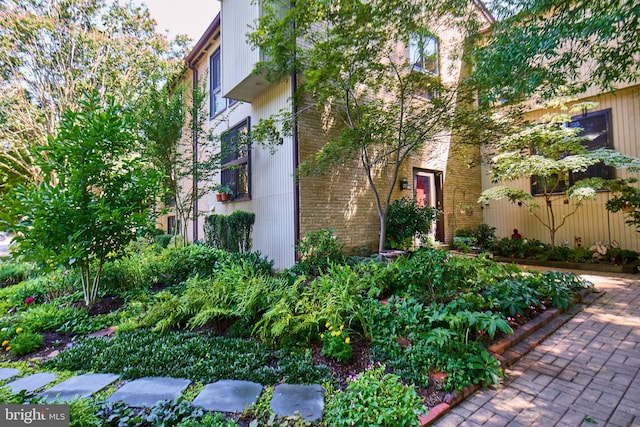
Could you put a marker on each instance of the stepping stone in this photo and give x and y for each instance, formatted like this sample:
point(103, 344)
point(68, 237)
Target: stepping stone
point(307, 400)
point(32, 382)
point(228, 396)
point(6, 373)
point(80, 386)
point(149, 390)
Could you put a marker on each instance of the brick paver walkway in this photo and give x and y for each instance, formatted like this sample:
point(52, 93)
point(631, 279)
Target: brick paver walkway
point(586, 374)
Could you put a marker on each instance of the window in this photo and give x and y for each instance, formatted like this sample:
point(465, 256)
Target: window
point(423, 53)
point(236, 160)
point(596, 129)
point(217, 103)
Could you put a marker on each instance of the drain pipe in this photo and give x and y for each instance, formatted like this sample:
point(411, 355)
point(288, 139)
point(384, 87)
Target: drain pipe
point(296, 160)
point(194, 146)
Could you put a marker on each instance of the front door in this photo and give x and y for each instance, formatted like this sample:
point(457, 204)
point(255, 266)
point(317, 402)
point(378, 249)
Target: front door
point(428, 192)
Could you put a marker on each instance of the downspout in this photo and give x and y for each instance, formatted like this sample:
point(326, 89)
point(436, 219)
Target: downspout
point(194, 146)
point(296, 160)
point(296, 182)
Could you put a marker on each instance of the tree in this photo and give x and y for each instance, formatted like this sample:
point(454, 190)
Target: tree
point(346, 53)
point(102, 196)
point(547, 154)
point(557, 47)
point(51, 52)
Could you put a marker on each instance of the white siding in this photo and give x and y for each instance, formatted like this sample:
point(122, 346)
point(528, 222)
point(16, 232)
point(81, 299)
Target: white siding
point(238, 18)
point(272, 181)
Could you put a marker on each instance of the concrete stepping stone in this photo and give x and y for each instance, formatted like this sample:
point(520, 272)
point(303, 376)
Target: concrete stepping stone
point(228, 396)
point(81, 386)
point(149, 390)
point(307, 400)
point(7, 373)
point(32, 382)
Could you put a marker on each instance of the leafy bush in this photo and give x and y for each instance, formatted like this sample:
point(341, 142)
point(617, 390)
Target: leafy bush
point(485, 236)
point(374, 398)
point(336, 343)
point(178, 264)
point(19, 341)
point(519, 248)
point(513, 296)
point(422, 273)
point(406, 220)
point(236, 291)
point(318, 249)
point(230, 232)
point(162, 240)
point(136, 270)
point(12, 273)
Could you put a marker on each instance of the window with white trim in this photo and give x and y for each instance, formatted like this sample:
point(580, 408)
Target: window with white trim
point(423, 53)
point(236, 161)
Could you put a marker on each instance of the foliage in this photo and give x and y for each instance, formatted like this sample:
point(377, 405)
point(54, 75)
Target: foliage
point(374, 398)
point(230, 232)
point(54, 51)
point(19, 340)
point(236, 291)
point(626, 199)
point(485, 236)
point(318, 249)
point(336, 343)
point(162, 240)
point(99, 199)
point(385, 109)
point(178, 264)
point(136, 270)
point(12, 273)
point(406, 220)
point(548, 153)
point(165, 413)
point(423, 271)
point(195, 356)
point(554, 48)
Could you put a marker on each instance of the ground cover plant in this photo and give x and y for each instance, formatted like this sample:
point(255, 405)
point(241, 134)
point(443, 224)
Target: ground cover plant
point(201, 313)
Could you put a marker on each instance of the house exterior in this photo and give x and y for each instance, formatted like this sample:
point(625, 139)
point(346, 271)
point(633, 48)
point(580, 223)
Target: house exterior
point(614, 123)
point(264, 183)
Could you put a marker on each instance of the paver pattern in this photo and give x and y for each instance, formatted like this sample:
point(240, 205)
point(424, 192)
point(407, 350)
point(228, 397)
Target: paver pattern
point(585, 374)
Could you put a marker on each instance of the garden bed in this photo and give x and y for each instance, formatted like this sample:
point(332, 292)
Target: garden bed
point(630, 268)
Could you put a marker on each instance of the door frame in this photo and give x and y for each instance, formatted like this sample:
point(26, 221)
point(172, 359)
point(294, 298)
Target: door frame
point(439, 198)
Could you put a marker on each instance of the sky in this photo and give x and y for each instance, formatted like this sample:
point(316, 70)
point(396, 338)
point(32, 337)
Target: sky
point(190, 17)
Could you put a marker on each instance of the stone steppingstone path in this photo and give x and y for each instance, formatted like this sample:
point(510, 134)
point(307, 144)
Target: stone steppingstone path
point(221, 396)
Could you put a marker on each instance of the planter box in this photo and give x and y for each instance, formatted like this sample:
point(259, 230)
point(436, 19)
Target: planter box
point(631, 268)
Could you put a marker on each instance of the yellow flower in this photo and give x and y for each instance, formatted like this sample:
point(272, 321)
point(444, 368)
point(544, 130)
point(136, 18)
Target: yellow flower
point(5, 342)
point(338, 333)
point(18, 330)
point(326, 325)
point(321, 336)
point(8, 348)
point(341, 327)
point(347, 340)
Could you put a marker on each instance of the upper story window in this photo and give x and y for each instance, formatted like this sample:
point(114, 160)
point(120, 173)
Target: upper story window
point(217, 103)
point(236, 161)
point(423, 53)
point(596, 128)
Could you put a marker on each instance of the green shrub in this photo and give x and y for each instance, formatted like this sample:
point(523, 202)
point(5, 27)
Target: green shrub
point(19, 341)
point(134, 271)
point(230, 232)
point(406, 220)
point(178, 264)
point(485, 236)
point(162, 240)
point(374, 398)
point(422, 273)
point(12, 273)
point(519, 248)
point(318, 249)
point(513, 295)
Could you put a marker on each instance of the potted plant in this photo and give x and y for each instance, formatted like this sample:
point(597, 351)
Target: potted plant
point(465, 209)
point(223, 193)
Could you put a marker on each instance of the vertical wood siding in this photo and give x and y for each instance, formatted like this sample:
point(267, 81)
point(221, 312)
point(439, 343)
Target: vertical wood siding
point(592, 222)
point(238, 59)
